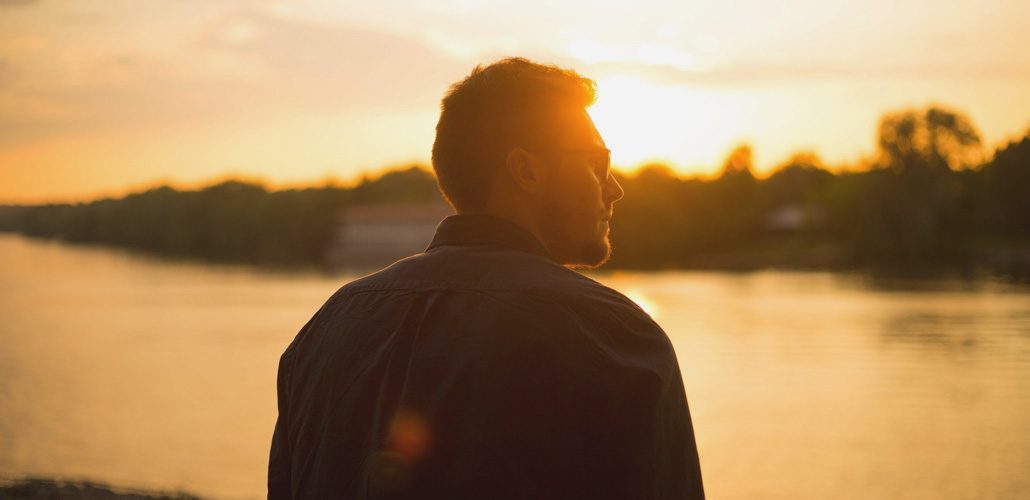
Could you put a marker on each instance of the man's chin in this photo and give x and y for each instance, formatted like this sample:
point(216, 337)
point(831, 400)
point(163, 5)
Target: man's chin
point(592, 256)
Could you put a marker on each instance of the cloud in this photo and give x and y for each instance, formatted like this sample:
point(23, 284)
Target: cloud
point(323, 65)
point(17, 3)
point(244, 66)
point(7, 73)
point(746, 73)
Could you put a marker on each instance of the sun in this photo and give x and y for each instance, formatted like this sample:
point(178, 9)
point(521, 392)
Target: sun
point(646, 122)
point(632, 116)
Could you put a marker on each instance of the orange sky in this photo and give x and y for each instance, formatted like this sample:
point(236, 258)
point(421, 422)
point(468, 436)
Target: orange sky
point(103, 96)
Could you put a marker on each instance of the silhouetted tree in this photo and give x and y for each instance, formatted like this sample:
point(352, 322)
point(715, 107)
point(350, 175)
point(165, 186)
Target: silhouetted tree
point(1007, 189)
point(413, 184)
point(798, 180)
point(736, 191)
point(648, 227)
point(915, 209)
point(934, 139)
point(913, 212)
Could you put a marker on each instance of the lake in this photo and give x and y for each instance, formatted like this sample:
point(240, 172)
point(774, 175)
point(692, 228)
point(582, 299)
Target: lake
point(157, 374)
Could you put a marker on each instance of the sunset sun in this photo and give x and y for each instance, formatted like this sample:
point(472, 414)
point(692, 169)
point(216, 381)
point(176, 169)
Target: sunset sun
point(643, 122)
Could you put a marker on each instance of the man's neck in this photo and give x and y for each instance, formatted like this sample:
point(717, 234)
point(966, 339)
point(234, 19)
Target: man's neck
point(520, 218)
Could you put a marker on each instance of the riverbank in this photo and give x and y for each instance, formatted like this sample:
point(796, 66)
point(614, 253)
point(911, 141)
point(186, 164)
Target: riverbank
point(1007, 261)
point(52, 489)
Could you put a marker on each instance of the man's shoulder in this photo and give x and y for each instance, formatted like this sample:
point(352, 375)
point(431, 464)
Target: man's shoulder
point(484, 289)
point(485, 269)
point(546, 313)
point(528, 301)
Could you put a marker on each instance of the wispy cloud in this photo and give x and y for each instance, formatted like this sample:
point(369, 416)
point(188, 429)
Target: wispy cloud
point(757, 73)
point(7, 72)
point(18, 3)
point(244, 65)
point(331, 65)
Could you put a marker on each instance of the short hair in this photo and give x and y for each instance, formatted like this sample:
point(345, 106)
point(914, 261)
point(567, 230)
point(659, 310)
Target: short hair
point(504, 105)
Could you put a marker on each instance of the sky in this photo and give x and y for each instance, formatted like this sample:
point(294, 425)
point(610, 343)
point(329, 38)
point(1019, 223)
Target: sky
point(104, 97)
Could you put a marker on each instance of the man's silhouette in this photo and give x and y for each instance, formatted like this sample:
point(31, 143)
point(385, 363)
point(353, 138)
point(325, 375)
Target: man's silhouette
point(485, 368)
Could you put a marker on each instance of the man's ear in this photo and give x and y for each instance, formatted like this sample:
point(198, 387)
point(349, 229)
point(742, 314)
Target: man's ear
point(525, 169)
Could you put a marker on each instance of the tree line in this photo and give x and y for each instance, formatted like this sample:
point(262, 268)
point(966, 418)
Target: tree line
point(232, 221)
point(928, 202)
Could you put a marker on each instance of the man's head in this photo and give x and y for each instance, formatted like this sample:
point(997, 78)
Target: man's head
point(514, 140)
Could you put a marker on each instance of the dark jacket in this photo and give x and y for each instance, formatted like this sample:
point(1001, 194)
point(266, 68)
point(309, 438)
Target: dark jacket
point(481, 369)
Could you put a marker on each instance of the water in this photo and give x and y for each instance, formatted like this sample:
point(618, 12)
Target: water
point(148, 373)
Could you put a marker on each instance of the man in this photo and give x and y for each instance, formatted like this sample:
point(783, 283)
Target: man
point(485, 368)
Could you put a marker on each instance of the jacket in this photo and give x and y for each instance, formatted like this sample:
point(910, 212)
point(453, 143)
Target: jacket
point(481, 369)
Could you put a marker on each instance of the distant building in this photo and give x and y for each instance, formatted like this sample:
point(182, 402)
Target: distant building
point(794, 217)
point(371, 236)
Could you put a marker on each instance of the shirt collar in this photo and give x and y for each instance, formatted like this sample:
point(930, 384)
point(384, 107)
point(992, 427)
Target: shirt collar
point(484, 229)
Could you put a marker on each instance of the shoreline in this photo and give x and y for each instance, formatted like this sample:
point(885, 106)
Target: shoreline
point(1009, 263)
point(35, 487)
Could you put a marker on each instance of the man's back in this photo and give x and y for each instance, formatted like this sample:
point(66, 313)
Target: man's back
point(481, 369)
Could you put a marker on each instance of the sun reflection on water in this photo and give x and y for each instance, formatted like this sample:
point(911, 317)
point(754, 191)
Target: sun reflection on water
point(642, 300)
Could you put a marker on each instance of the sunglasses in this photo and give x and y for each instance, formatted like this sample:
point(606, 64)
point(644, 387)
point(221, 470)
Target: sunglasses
point(600, 158)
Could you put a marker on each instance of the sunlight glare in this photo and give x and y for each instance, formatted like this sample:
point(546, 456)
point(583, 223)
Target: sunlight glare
point(643, 301)
point(643, 122)
point(594, 52)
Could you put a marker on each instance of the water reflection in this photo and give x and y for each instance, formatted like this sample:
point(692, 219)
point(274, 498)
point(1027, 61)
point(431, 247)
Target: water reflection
point(155, 374)
point(645, 302)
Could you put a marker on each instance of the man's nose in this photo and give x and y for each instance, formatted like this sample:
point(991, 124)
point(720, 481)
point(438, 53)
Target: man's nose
point(612, 190)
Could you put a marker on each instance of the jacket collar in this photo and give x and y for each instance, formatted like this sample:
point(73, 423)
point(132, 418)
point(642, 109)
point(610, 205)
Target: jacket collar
point(483, 229)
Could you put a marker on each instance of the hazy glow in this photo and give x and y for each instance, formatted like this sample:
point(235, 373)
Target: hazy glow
point(302, 90)
point(642, 300)
point(647, 122)
point(592, 52)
